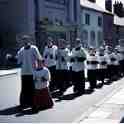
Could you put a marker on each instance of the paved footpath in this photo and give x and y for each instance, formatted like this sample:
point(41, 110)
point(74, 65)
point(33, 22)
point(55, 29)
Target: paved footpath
point(9, 72)
point(109, 111)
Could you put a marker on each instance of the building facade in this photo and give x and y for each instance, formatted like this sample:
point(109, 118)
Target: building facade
point(20, 17)
point(114, 22)
point(108, 28)
point(118, 29)
point(59, 18)
point(17, 18)
point(91, 24)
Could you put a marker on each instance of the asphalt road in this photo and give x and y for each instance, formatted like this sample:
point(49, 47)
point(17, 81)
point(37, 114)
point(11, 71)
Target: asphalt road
point(69, 109)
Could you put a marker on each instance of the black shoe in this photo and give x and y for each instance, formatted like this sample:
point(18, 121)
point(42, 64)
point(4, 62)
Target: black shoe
point(26, 106)
point(35, 110)
point(91, 89)
point(61, 93)
point(100, 85)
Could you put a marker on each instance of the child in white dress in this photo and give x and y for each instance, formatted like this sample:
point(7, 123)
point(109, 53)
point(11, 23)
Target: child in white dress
point(42, 98)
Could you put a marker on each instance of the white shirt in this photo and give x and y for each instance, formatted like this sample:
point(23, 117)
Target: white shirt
point(27, 57)
point(91, 59)
point(76, 65)
point(62, 54)
point(116, 56)
point(102, 59)
point(121, 56)
point(38, 74)
point(48, 52)
point(108, 58)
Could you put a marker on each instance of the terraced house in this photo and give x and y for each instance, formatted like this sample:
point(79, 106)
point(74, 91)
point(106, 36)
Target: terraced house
point(91, 23)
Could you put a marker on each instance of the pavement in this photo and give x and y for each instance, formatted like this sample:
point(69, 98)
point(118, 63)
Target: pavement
point(108, 111)
point(10, 86)
point(8, 72)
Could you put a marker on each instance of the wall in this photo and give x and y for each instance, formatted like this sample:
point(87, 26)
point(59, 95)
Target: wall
point(118, 33)
point(16, 18)
point(108, 27)
point(93, 25)
point(10, 87)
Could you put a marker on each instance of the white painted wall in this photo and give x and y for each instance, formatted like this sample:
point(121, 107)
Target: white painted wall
point(93, 23)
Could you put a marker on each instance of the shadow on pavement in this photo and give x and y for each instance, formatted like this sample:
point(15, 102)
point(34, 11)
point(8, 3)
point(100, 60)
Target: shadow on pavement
point(25, 112)
point(55, 94)
point(66, 97)
point(70, 96)
point(17, 111)
point(88, 91)
point(31, 112)
point(10, 111)
point(122, 120)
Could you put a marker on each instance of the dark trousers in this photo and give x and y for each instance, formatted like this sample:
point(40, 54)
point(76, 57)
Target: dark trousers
point(62, 79)
point(78, 81)
point(53, 84)
point(109, 72)
point(122, 67)
point(101, 74)
point(116, 72)
point(92, 78)
point(27, 90)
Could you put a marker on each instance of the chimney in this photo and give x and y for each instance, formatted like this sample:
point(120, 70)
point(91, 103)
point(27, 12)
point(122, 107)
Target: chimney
point(108, 5)
point(118, 9)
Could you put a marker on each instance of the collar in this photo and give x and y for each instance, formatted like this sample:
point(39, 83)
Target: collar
point(38, 69)
point(27, 47)
point(92, 54)
point(78, 48)
point(62, 48)
point(50, 46)
point(101, 54)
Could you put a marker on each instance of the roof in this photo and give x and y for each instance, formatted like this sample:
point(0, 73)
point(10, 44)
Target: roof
point(118, 20)
point(93, 6)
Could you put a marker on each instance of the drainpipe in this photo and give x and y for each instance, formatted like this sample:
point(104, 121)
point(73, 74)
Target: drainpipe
point(36, 19)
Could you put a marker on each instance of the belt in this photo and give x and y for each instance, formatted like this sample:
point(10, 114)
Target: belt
point(92, 62)
point(78, 59)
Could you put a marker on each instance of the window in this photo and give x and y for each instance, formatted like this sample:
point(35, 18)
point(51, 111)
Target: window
point(84, 35)
point(57, 1)
point(75, 10)
point(100, 38)
point(92, 34)
point(99, 21)
point(84, 38)
point(87, 19)
point(93, 37)
point(68, 11)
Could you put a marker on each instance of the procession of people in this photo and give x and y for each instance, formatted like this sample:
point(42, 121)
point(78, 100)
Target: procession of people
point(60, 68)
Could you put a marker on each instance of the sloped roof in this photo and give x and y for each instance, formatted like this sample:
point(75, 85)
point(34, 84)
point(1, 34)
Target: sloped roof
point(118, 20)
point(93, 6)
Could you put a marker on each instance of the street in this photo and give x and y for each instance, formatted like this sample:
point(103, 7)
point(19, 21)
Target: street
point(67, 110)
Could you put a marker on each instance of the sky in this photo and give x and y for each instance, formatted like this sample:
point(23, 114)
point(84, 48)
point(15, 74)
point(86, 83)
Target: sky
point(102, 2)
